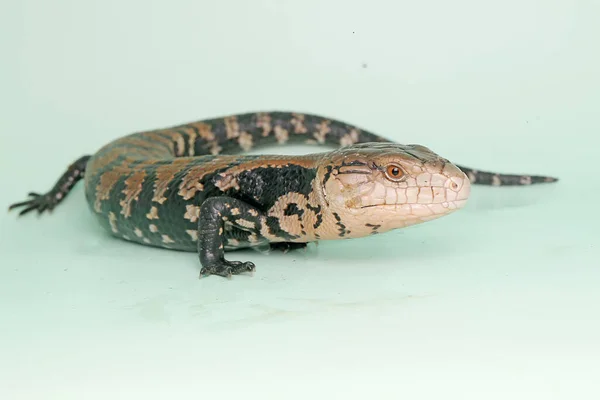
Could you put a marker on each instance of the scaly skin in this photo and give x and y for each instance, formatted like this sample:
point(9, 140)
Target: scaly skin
point(184, 187)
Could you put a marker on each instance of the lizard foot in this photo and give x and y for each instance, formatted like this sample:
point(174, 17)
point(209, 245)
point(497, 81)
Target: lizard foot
point(39, 202)
point(227, 268)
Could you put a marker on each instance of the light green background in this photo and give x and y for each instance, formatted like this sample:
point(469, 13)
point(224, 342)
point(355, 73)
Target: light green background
point(498, 301)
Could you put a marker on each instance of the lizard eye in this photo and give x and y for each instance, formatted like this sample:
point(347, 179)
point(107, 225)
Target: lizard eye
point(394, 172)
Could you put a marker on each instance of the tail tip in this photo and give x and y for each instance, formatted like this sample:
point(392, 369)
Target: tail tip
point(541, 179)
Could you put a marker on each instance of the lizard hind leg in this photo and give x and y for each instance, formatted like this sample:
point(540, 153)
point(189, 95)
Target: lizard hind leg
point(49, 200)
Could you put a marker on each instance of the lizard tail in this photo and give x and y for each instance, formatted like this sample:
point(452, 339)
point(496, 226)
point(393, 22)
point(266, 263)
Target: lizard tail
point(495, 179)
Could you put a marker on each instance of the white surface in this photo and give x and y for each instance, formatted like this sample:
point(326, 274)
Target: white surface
point(497, 301)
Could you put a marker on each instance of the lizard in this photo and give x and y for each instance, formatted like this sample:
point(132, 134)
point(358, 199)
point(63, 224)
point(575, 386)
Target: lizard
point(193, 187)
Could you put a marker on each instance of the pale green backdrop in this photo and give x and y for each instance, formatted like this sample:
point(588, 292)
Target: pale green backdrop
point(498, 301)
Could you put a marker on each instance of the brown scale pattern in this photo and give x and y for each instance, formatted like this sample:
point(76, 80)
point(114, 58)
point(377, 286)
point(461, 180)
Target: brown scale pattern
point(133, 188)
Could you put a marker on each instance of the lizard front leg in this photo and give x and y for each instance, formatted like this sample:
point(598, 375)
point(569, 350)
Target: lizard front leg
point(215, 212)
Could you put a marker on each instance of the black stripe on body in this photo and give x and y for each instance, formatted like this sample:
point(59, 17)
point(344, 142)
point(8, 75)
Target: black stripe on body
point(262, 187)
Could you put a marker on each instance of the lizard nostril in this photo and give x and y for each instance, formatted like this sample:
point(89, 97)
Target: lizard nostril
point(454, 186)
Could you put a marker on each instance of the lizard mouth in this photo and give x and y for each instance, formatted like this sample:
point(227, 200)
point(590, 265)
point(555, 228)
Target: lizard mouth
point(446, 204)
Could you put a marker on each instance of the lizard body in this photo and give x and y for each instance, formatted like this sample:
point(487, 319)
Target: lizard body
point(187, 188)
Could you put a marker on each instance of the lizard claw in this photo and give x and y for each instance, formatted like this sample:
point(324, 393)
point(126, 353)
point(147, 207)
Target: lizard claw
point(38, 202)
point(227, 269)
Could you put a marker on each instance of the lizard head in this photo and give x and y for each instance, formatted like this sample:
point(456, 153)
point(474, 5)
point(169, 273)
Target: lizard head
point(376, 187)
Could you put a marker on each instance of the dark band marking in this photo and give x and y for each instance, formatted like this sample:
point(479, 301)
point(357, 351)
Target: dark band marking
point(354, 163)
point(316, 210)
point(374, 228)
point(275, 229)
point(341, 226)
point(292, 209)
point(327, 174)
point(318, 222)
point(345, 171)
